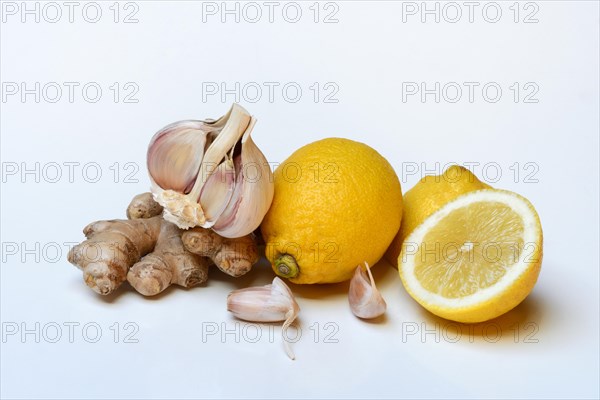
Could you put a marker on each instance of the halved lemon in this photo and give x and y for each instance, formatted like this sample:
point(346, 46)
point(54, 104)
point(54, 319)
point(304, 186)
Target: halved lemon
point(475, 258)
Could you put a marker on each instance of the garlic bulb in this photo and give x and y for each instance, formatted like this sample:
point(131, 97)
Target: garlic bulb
point(364, 298)
point(270, 303)
point(211, 174)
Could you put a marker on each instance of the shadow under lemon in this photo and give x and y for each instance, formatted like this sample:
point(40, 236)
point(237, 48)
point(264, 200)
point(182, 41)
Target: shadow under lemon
point(521, 324)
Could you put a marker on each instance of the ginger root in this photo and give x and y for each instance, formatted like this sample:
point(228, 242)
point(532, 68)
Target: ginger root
point(169, 263)
point(235, 257)
point(151, 253)
point(143, 206)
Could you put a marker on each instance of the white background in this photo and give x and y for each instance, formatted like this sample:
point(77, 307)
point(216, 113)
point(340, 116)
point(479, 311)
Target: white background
point(172, 53)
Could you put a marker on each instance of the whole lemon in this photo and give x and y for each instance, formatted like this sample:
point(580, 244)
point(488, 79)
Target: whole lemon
point(427, 196)
point(337, 204)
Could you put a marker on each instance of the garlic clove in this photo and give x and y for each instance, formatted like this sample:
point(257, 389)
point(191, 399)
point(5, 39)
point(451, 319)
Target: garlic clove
point(364, 298)
point(253, 191)
point(269, 303)
point(217, 192)
point(175, 154)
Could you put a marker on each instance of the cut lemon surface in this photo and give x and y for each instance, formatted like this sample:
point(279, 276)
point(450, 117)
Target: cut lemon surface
point(475, 258)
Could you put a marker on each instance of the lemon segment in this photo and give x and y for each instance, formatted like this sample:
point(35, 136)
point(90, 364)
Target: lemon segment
point(475, 258)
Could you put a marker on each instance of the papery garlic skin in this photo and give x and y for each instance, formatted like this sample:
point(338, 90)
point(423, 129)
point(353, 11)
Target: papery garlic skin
point(365, 300)
point(198, 172)
point(269, 303)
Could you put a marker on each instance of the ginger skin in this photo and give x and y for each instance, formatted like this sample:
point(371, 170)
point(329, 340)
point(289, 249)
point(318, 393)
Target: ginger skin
point(151, 253)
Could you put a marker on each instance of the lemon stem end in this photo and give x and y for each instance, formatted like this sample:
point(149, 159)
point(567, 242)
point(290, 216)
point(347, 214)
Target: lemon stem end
point(286, 266)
